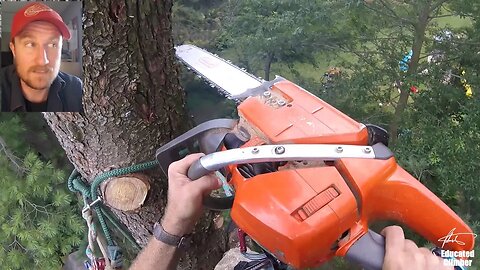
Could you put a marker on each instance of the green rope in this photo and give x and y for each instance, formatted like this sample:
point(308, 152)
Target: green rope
point(119, 228)
point(117, 172)
point(75, 184)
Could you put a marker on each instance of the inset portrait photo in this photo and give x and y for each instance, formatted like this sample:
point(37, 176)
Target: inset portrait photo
point(41, 65)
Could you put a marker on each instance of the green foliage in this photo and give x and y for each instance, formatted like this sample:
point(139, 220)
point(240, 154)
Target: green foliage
point(40, 221)
point(10, 130)
point(200, 4)
point(196, 22)
point(265, 32)
point(441, 146)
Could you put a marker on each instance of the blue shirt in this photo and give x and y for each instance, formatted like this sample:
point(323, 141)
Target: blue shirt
point(64, 95)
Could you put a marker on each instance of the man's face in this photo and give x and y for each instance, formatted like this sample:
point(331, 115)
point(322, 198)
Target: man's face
point(37, 53)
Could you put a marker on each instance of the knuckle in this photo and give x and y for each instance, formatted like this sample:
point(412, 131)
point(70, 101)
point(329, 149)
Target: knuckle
point(397, 230)
point(394, 230)
point(420, 259)
point(409, 244)
point(172, 167)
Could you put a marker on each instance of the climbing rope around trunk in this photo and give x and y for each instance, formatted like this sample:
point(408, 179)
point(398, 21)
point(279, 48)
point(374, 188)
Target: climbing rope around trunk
point(91, 200)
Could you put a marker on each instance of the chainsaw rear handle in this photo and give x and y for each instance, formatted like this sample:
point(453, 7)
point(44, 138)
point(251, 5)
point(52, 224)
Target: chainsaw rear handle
point(368, 251)
point(287, 152)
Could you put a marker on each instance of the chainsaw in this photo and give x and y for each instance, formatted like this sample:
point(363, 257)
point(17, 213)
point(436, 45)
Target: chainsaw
point(304, 180)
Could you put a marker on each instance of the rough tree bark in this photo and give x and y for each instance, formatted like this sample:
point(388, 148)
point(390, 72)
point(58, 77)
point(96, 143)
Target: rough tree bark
point(133, 104)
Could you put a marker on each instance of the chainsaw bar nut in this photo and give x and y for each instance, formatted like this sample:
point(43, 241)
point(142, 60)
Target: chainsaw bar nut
point(279, 150)
point(281, 102)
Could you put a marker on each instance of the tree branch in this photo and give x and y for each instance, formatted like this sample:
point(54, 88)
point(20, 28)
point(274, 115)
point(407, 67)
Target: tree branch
point(39, 208)
point(437, 5)
point(373, 116)
point(390, 9)
point(389, 15)
point(18, 244)
point(442, 16)
point(14, 160)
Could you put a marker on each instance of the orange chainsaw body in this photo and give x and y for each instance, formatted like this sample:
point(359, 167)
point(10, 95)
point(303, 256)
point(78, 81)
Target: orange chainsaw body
point(306, 214)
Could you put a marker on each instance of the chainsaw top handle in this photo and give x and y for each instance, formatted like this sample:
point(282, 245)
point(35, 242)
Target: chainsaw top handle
point(287, 152)
point(271, 153)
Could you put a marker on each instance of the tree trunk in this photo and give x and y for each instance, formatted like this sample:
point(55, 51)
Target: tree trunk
point(419, 39)
point(268, 65)
point(133, 104)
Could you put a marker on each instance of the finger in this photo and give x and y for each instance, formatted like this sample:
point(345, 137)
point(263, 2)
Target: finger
point(394, 239)
point(432, 261)
point(417, 258)
point(410, 245)
point(220, 184)
point(206, 184)
point(181, 166)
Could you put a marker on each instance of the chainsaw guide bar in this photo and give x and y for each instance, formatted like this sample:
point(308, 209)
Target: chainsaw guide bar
point(231, 80)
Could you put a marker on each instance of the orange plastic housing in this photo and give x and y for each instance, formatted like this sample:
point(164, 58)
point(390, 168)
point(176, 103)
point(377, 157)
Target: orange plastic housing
point(304, 119)
point(306, 216)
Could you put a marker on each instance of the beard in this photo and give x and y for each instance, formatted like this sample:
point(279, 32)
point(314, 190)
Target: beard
point(37, 77)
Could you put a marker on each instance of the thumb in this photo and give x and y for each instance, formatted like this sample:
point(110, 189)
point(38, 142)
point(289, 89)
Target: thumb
point(206, 184)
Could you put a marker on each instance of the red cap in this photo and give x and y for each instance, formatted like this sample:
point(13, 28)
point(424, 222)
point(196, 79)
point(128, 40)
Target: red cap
point(37, 12)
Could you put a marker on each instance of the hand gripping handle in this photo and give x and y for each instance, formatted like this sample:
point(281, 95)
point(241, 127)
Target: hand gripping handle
point(368, 251)
point(197, 170)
